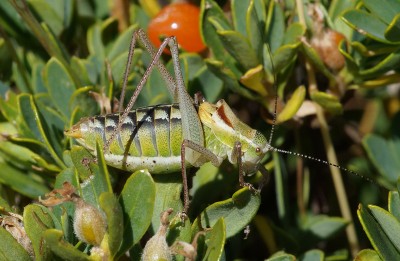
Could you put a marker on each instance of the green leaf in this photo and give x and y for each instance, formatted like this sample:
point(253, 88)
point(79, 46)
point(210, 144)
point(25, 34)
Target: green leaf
point(86, 71)
point(104, 175)
point(240, 49)
point(37, 79)
point(168, 190)
point(323, 227)
point(293, 105)
point(137, 201)
point(79, 157)
point(229, 78)
point(60, 85)
point(285, 55)
point(95, 44)
point(209, 10)
point(215, 241)
point(382, 67)
point(237, 212)
point(327, 101)
point(287, 52)
point(385, 10)
point(94, 182)
point(351, 64)
point(389, 224)
point(392, 32)
point(66, 251)
point(377, 237)
point(210, 85)
point(239, 16)
point(22, 155)
point(111, 207)
point(37, 220)
point(384, 155)
point(168, 195)
point(4, 205)
point(294, 33)
point(253, 79)
point(121, 45)
point(275, 25)
point(83, 104)
point(367, 24)
point(394, 204)
point(282, 256)
point(368, 255)
point(49, 15)
point(255, 27)
point(10, 249)
point(316, 60)
point(21, 181)
point(8, 107)
point(313, 255)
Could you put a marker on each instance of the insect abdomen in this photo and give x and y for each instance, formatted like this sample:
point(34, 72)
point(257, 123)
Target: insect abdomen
point(149, 138)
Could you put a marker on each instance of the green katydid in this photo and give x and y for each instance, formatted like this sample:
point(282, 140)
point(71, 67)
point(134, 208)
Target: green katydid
point(168, 138)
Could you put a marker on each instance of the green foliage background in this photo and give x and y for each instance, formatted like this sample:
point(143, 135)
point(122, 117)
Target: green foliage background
point(54, 53)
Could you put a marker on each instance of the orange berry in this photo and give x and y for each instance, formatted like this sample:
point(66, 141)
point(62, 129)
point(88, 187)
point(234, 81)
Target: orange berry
point(181, 20)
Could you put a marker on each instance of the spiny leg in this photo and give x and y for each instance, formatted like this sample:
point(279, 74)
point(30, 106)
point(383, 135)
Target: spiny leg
point(155, 61)
point(167, 77)
point(237, 153)
point(192, 128)
point(214, 159)
point(191, 125)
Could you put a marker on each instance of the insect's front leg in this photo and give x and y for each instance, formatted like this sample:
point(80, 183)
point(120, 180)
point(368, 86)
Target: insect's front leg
point(208, 156)
point(237, 153)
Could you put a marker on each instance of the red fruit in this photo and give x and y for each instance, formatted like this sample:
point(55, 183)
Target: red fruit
point(180, 20)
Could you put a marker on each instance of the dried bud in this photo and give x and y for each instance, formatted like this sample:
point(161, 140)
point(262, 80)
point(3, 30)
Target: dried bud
point(326, 44)
point(157, 248)
point(89, 223)
point(14, 224)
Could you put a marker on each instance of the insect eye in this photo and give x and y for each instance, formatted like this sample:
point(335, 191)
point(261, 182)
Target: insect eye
point(258, 150)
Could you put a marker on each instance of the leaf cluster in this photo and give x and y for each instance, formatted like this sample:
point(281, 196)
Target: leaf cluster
point(53, 56)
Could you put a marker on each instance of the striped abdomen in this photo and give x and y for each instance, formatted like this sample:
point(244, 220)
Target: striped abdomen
point(149, 138)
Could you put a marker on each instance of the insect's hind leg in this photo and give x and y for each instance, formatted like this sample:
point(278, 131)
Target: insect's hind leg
point(154, 62)
point(208, 155)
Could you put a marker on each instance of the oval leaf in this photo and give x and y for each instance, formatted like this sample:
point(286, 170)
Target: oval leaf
point(377, 237)
point(293, 105)
point(253, 79)
point(37, 220)
point(10, 249)
point(60, 85)
point(66, 251)
point(327, 101)
point(111, 207)
point(240, 49)
point(384, 155)
point(237, 212)
point(215, 241)
point(394, 204)
point(366, 23)
point(389, 224)
point(137, 201)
